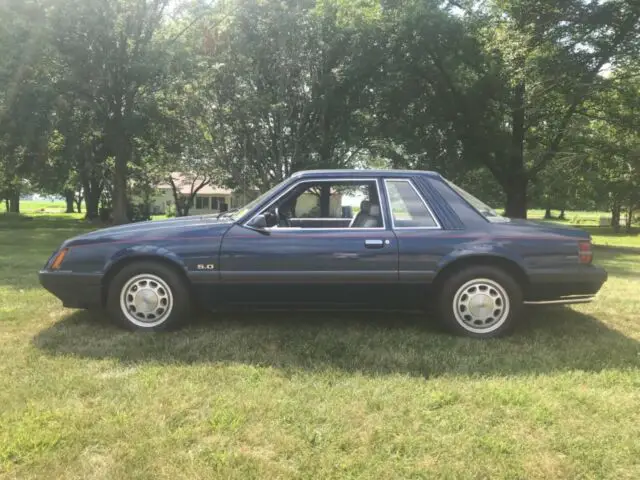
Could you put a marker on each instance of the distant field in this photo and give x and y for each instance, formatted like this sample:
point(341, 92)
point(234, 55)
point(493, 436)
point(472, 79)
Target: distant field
point(590, 221)
point(38, 208)
point(30, 206)
point(576, 217)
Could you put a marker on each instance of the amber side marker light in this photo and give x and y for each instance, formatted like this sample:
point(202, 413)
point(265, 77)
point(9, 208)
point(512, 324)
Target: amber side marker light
point(58, 259)
point(585, 254)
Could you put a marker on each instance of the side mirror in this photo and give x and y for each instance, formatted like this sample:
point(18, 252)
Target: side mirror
point(258, 222)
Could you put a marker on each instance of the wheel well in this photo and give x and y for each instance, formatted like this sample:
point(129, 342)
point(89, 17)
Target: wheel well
point(509, 266)
point(118, 266)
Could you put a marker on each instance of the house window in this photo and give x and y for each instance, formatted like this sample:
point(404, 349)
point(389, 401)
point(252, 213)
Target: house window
point(202, 202)
point(216, 203)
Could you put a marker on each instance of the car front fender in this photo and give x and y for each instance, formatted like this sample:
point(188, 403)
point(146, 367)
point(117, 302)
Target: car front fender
point(141, 252)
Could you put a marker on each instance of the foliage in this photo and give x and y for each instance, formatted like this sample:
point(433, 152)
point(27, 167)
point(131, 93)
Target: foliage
point(523, 102)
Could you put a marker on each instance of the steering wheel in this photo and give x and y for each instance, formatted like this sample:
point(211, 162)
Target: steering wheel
point(281, 219)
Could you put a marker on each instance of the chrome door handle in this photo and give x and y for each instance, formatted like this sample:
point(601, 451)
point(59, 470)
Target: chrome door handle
point(373, 243)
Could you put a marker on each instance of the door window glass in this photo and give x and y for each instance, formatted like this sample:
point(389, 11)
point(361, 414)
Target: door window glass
point(328, 204)
point(408, 210)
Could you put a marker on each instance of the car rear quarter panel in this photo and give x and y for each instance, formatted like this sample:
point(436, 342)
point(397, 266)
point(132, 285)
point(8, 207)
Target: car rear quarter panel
point(467, 234)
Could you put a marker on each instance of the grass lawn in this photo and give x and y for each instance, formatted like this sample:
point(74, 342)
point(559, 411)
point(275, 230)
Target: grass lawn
point(590, 221)
point(313, 396)
point(44, 208)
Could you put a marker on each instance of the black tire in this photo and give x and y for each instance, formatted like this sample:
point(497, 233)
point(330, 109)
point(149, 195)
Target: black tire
point(167, 281)
point(495, 289)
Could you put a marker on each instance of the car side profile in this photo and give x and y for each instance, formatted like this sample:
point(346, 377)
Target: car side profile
point(337, 239)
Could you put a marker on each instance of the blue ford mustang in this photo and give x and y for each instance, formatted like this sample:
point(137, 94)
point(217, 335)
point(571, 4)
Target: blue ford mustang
point(341, 238)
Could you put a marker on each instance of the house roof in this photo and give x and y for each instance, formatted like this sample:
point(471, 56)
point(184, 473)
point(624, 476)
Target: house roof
point(186, 182)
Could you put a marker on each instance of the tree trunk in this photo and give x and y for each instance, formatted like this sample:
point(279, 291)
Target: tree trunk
point(186, 205)
point(6, 205)
point(516, 191)
point(547, 214)
point(629, 219)
point(181, 203)
point(79, 203)
point(615, 216)
point(562, 216)
point(92, 193)
point(14, 202)
point(120, 192)
point(517, 179)
point(69, 197)
point(120, 174)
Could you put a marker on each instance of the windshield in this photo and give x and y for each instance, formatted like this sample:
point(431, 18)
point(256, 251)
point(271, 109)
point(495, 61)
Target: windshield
point(238, 213)
point(485, 210)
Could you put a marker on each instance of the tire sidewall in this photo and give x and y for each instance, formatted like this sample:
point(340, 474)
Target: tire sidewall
point(455, 281)
point(179, 291)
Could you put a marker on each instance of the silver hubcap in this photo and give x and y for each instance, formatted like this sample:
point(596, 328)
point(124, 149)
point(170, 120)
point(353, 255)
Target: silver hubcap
point(481, 305)
point(146, 300)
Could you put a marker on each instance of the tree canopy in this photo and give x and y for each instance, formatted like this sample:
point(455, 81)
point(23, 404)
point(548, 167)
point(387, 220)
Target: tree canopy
point(525, 102)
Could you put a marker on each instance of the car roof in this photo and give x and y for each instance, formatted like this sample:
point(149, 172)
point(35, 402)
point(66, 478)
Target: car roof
point(364, 173)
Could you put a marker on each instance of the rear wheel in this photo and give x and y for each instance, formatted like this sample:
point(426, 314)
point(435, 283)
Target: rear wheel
point(480, 301)
point(148, 296)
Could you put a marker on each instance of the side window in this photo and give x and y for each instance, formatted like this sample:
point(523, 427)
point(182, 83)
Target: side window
point(328, 204)
point(408, 210)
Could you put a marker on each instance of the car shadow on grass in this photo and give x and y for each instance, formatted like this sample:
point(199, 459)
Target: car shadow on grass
point(547, 340)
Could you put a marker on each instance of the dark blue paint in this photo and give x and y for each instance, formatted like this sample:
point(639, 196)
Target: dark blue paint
point(546, 254)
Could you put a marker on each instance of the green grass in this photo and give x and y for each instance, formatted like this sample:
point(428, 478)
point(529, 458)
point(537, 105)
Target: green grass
point(574, 217)
point(313, 396)
point(39, 208)
point(590, 221)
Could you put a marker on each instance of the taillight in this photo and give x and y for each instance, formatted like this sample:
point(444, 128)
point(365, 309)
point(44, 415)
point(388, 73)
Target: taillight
point(585, 254)
point(58, 259)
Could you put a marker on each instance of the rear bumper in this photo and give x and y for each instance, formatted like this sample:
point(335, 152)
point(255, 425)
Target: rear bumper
point(75, 290)
point(578, 284)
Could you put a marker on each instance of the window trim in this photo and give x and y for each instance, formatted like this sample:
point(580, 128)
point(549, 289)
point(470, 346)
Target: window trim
point(437, 225)
point(324, 180)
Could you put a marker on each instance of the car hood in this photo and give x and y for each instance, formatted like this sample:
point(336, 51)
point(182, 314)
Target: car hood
point(173, 228)
point(527, 227)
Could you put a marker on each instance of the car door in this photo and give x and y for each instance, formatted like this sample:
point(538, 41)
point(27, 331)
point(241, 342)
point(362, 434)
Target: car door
point(335, 264)
point(421, 239)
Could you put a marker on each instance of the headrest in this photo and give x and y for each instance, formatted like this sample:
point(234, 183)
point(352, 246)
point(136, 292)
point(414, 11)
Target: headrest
point(374, 210)
point(365, 207)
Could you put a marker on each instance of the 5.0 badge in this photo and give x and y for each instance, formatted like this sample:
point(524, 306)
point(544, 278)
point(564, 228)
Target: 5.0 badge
point(209, 266)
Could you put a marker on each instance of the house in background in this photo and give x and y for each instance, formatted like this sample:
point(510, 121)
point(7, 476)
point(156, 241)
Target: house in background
point(214, 199)
point(209, 199)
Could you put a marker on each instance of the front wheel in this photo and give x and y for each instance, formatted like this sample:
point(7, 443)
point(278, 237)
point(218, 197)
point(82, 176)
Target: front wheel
point(480, 301)
point(148, 296)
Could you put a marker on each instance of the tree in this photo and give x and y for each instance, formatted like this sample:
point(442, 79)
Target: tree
point(499, 83)
point(283, 89)
point(613, 144)
point(115, 59)
point(26, 98)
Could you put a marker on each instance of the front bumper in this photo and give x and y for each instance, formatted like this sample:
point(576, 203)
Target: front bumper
point(578, 284)
point(76, 290)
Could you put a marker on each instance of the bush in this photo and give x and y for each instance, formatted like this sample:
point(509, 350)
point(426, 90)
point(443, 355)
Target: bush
point(170, 211)
point(138, 213)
